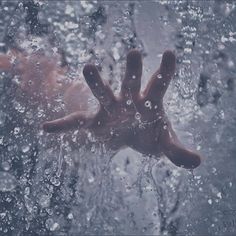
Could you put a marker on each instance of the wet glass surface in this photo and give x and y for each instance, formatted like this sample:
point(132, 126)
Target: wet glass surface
point(68, 184)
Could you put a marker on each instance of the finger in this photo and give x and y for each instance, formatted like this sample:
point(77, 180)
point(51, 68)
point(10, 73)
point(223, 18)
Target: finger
point(177, 154)
point(132, 81)
point(72, 121)
point(159, 82)
point(100, 91)
point(182, 157)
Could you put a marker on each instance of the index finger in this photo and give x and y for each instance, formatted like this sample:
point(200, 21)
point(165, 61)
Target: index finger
point(102, 92)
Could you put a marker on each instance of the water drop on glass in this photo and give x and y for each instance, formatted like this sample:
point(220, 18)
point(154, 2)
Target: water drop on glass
point(137, 116)
point(6, 166)
point(25, 149)
point(51, 225)
point(148, 104)
point(219, 195)
point(16, 130)
point(70, 216)
point(129, 102)
point(55, 181)
point(44, 201)
point(209, 201)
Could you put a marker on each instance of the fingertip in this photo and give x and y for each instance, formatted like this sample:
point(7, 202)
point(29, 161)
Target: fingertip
point(189, 160)
point(47, 127)
point(170, 54)
point(134, 58)
point(168, 61)
point(196, 161)
point(89, 70)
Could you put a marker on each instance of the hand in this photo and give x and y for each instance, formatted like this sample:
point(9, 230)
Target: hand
point(134, 120)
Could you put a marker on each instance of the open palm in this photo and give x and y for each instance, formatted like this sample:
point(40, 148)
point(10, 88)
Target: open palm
point(134, 120)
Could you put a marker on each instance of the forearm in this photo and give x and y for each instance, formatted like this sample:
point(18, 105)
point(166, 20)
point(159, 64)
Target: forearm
point(5, 62)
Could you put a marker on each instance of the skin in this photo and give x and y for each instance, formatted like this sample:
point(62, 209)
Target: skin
point(39, 75)
point(133, 119)
point(42, 79)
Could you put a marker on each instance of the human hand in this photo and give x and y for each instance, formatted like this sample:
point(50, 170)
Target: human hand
point(134, 120)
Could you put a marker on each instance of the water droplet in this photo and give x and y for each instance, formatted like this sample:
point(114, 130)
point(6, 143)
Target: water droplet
point(93, 148)
point(148, 104)
point(6, 166)
point(49, 211)
point(28, 203)
point(219, 195)
point(69, 10)
point(137, 116)
point(71, 25)
point(19, 107)
point(10, 148)
point(29, 115)
point(2, 215)
point(7, 182)
point(222, 114)
point(214, 170)
point(209, 201)
point(16, 130)
point(90, 179)
point(129, 102)
point(44, 201)
point(231, 64)
point(89, 214)
point(25, 149)
point(51, 225)
point(40, 113)
point(70, 216)
point(133, 77)
point(27, 191)
point(55, 181)
point(159, 76)
point(20, 5)
point(188, 50)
